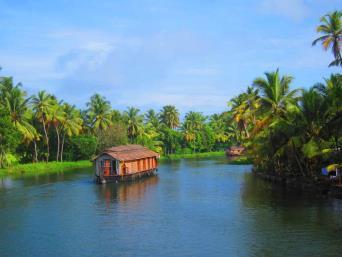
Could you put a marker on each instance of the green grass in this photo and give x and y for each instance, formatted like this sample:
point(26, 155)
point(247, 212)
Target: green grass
point(240, 160)
point(32, 169)
point(192, 155)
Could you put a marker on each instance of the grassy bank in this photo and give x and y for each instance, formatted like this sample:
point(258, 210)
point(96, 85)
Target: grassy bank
point(192, 155)
point(240, 160)
point(43, 168)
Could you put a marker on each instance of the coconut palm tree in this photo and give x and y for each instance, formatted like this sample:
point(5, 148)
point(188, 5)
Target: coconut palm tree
point(275, 96)
point(43, 105)
point(169, 116)
point(17, 106)
point(152, 118)
point(193, 123)
point(134, 122)
point(57, 118)
point(218, 125)
point(71, 124)
point(99, 113)
point(331, 28)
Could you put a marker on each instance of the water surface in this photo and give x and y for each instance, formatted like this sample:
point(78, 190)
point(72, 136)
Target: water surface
point(192, 208)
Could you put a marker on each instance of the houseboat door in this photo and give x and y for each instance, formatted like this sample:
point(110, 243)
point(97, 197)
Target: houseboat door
point(106, 167)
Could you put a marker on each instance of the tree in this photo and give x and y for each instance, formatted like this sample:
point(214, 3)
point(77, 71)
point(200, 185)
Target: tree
point(9, 138)
point(99, 113)
point(57, 118)
point(134, 123)
point(275, 97)
point(169, 116)
point(43, 105)
point(152, 118)
point(113, 136)
point(71, 123)
point(193, 124)
point(331, 28)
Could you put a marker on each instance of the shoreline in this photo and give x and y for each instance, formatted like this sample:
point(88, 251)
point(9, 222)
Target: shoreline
point(43, 168)
point(321, 187)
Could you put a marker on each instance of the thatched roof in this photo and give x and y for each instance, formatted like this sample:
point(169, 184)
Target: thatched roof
point(129, 152)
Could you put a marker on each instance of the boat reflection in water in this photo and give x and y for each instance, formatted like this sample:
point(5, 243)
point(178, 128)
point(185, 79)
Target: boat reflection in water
point(126, 191)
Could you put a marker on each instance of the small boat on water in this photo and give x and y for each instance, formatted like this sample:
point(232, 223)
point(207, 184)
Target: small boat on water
point(125, 162)
point(235, 151)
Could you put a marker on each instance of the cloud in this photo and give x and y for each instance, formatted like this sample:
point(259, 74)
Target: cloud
point(293, 9)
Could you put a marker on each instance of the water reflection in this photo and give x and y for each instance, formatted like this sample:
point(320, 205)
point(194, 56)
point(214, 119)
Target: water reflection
point(288, 221)
point(126, 191)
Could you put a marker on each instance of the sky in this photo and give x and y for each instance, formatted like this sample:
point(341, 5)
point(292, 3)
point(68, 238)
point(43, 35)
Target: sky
point(150, 53)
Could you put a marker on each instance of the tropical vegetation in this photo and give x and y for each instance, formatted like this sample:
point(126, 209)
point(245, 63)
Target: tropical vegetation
point(285, 130)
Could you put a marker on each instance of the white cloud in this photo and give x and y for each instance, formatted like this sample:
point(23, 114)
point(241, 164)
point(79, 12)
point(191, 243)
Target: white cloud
point(294, 9)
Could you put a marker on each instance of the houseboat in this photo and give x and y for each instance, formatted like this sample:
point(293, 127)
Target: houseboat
point(125, 162)
point(235, 151)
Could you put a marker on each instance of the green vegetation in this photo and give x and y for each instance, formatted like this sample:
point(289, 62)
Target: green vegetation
point(41, 128)
point(287, 131)
point(192, 155)
point(31, 169)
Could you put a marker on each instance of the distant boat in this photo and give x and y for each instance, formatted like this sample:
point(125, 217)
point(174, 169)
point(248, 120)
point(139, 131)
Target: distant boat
point(235, 151)
point(125, 162)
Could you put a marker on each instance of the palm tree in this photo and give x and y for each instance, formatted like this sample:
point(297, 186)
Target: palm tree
point(134, 122)
point(193, 123)
point(13, 99)
point(276, 97)
point(152, 118)
point(57, 117)
point(43, 105)
point(331, 28)
point(99, 113)
point(71, 124)
point(218, 125)
point(169, 115)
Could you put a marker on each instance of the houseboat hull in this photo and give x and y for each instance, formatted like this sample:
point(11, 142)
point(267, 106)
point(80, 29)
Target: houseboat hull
point(126, 177)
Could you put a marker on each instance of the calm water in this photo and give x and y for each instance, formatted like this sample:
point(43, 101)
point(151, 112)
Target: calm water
point(192, 208)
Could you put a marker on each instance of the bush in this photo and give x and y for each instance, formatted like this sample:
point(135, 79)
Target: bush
point(81, 147)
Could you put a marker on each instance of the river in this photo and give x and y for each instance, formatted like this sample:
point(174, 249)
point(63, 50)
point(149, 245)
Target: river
point(203, 207)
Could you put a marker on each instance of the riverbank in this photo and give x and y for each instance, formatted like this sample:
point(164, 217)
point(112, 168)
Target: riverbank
point(321, 186)
point(42, 168)
point(32, 169)
point(175, 156)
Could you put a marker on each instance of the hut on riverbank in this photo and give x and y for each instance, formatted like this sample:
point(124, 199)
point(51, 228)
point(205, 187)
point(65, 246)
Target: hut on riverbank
point(125, 162)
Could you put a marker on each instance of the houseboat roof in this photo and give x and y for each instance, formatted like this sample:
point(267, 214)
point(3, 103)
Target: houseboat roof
point(236, 148)
point(129, 152)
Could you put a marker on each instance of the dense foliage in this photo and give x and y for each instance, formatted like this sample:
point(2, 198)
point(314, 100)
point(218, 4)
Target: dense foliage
point(292, 132)
point(43, 128)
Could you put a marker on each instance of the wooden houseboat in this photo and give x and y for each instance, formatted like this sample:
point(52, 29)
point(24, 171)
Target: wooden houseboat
point(125, 162)
point(235, 151)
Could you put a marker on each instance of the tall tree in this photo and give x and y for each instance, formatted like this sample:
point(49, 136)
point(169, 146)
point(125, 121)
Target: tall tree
point(43, 105)
point(169, 115)
point(193, 124)
point(57, 118)
point(99, 113)
point(275, 98)
point(331, 28)
point(71, 124)
point(134, 122)
point(152, 118)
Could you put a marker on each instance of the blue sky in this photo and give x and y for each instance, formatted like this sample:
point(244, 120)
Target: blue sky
point(148, 53)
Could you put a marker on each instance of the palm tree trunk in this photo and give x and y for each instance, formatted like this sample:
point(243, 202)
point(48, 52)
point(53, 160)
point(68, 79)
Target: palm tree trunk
point(35, 151)
point(47, 141)
point(58, 142)
point(62, 148)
